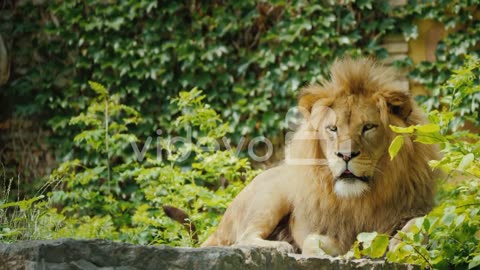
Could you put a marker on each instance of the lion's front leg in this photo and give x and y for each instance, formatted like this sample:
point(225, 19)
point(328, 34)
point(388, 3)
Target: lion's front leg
point(396, 240)
point(261, 224)
point(255, 213)
point(318, 245)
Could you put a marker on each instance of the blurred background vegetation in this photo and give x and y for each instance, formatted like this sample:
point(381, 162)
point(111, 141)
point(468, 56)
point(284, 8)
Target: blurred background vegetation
point(250, 58)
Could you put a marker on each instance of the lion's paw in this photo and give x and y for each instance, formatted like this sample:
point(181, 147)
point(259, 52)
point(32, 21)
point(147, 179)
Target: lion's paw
point(281, 246)
point(319, 245)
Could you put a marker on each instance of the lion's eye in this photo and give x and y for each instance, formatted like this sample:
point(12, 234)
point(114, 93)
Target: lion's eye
point(332, 128)
point(368, 127)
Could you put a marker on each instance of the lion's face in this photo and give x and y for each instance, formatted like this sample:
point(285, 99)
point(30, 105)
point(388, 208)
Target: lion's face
point(350, 115)
point(353, 140)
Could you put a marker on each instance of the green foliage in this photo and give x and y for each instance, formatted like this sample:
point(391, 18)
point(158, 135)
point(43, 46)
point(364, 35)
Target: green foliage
point(460, 148)
point(449, 236)
point(453, 232)
point(461, 95)
point(16, 225)
point(117, 194)
point(372, 244)
point(252, 56)
point(462, 24)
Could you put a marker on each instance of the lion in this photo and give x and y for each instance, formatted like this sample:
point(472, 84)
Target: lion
point(337, 179)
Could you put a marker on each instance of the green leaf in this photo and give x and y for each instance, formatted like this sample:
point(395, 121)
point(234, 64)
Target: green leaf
point(419, 223)
point(24, 204)
point(429, 138)
point(448, 218)
point(466, 160)
point(408, 130)
point(395, 146)
point(428, 128)
point(366, 238)
point(426, 224)
point(474, 262)
point(357, 253)
point(98, 88)
point(379, 246)
point(459, 220)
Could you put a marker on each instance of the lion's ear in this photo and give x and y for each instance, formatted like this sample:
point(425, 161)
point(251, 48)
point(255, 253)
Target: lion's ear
point(311, 95)
point(399, 103)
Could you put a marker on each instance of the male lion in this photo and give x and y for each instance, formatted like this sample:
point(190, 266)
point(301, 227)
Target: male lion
point(338, 179)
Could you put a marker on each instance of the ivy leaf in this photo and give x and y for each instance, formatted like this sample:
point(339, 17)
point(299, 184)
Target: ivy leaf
point(410, 31)
point(395, 146)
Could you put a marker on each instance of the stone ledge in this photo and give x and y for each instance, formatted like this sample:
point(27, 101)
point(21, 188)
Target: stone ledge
point(105, 255)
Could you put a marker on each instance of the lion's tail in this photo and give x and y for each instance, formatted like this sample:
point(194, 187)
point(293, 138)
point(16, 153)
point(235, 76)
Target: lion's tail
point(182, 217)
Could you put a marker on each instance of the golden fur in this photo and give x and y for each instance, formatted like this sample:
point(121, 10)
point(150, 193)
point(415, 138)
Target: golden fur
point(316, 197)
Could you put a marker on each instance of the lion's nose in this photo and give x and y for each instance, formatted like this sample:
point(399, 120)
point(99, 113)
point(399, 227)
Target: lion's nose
point(347, 156)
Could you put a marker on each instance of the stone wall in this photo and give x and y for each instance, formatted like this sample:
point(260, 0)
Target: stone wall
point(99, 254)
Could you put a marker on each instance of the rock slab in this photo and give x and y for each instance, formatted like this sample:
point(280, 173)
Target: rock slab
point(105, 255)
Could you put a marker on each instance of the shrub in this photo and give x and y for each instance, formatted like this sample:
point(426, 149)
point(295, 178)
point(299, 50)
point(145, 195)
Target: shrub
point(112, 195)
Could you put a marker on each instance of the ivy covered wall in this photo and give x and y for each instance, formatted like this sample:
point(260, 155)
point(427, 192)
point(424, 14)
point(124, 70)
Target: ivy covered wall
point(250, 57)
